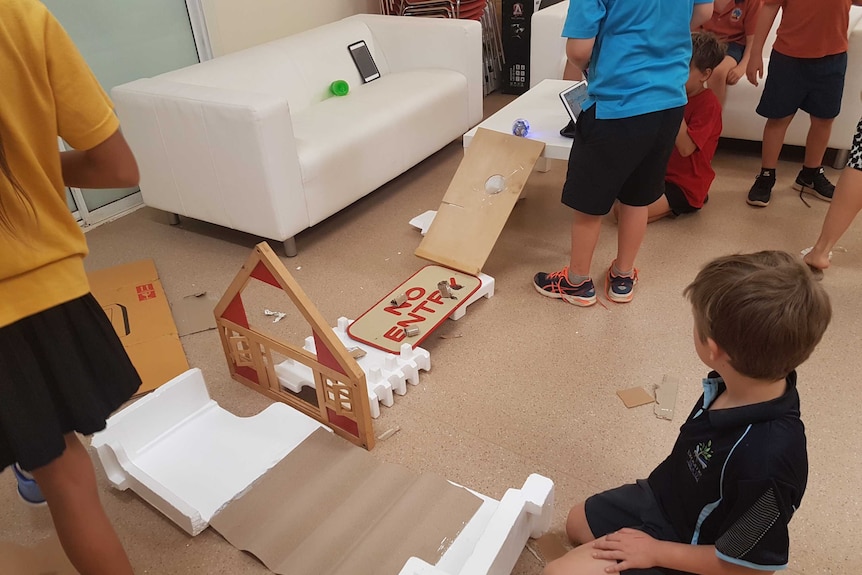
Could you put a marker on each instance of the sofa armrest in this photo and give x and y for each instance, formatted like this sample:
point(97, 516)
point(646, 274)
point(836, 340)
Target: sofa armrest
point(223, 156)
point(410, 43)
point(547, 45)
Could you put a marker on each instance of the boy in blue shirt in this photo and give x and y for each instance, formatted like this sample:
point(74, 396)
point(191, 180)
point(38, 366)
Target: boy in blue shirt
point(638, 54)
point(720, 503)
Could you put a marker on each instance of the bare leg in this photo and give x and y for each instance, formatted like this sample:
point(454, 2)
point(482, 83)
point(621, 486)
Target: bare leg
point(658, 209)
point(585, 236)
point(773, 140)
point(577, 527)
point(578, 561)
point(69, 485)
point(846, 203)
point(718, 81)
point(815, 143)
point(630, 234)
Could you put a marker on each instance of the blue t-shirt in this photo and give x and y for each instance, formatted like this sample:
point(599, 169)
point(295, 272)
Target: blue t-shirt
point(641, 57)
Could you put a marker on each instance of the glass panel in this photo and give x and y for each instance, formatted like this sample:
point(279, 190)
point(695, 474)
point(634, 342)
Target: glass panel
point(123, 41)
point(70, 201)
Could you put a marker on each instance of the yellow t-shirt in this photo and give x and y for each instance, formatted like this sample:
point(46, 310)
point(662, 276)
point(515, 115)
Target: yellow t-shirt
point(46, 90)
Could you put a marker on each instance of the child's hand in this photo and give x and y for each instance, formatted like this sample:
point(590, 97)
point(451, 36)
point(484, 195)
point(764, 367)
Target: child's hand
point(735, 74)
point(632, 548)
point(754, 70)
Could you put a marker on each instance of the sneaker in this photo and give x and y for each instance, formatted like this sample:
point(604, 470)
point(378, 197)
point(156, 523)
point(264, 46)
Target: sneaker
point(760, 192)
point(819, 186)
point(568, 131)
point(28, 489)
point(556, 285)
point(620, 289)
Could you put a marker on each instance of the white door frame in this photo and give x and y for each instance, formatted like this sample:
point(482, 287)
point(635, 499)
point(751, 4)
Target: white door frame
point(199, 29)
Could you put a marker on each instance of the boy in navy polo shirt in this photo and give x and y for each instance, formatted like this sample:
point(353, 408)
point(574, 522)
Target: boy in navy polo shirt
point(638, 54)
point(721, 501)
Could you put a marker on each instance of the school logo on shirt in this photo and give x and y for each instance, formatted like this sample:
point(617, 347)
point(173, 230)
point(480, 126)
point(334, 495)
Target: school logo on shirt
point(698, 459)
point(736, 14)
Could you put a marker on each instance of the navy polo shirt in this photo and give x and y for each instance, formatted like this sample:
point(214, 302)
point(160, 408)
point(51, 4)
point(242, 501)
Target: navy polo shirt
point(735, 477)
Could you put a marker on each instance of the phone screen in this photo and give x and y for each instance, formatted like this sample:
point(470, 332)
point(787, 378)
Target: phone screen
point(364, 62)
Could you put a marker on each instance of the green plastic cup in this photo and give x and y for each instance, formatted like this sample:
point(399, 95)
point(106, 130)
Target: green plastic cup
point(339, 88)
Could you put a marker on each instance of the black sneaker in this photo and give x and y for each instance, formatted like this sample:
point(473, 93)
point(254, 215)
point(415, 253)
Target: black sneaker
point(760, 192)
point(819, 186)
point(568, 130)
point(557, 285)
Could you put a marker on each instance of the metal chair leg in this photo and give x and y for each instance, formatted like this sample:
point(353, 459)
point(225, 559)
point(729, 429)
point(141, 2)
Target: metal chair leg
point(841, 157)
point(174, 219)
point(290, 247)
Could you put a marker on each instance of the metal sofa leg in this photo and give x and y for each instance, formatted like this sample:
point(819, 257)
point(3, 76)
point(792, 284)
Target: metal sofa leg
point(290, 247)
point(174, 219)
point(841, 157)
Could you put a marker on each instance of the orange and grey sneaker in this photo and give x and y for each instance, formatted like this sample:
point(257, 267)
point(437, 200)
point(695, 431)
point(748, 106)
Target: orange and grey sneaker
point(557, 285)
point(620, 288)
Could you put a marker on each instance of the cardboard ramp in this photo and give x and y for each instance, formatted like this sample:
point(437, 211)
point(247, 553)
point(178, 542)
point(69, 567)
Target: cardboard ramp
point(325, 507)
point(479, 200)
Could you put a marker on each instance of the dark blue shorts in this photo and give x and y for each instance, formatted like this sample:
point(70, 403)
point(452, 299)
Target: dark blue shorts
point(735, 50)
point(632, 505)
point(813, 85)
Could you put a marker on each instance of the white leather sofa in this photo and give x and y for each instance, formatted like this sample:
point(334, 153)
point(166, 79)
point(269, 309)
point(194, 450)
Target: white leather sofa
point(254, 141)
point(547, 59)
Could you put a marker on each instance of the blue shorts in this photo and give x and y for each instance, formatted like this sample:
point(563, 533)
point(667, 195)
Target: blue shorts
point(735, 50)
point(813, 85)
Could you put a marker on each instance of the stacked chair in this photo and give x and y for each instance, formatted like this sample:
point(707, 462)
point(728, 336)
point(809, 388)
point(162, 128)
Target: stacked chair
point(481, 10)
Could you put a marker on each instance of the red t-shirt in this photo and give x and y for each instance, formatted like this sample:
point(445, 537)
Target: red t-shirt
point(694, 173)
point(812, 28)
point(736, 21)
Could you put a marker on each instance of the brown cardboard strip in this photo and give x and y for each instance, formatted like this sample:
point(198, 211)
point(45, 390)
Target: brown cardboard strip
point(330, 508)
point(635, 396)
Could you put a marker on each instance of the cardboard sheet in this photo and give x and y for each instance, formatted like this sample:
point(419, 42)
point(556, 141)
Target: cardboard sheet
point(194, 313)
point(46, 558)
point(330, 508)
point(133, 298)
point(423, 308)
point(470, 218)
point(635, 397)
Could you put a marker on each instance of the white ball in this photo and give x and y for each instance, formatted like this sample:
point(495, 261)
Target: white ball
point(495, 184)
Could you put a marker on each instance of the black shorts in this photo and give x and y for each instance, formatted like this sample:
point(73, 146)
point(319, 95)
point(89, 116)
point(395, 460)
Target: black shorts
point(676, 199)
point(623, 159)
point(855, 160)
point(633, 506)
point(735, 50)
point(813, 85)
point(61, 370)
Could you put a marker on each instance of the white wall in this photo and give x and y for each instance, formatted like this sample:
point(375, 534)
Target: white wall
point(237, 24)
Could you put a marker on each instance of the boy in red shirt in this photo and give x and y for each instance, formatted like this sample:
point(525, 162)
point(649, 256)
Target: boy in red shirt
point(689, 170)
point(806, 72)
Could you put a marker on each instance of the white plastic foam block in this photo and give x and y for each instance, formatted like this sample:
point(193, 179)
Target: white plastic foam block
point(385, 373)
point(493, 539)
point(187, 457)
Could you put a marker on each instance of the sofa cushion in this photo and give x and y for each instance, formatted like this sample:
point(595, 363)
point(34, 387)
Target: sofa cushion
point(374, 133)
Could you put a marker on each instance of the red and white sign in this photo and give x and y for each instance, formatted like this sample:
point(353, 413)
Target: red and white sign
point(415, 304)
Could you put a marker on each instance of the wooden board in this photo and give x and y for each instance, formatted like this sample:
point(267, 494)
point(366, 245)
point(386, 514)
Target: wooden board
point(383, 325)
point(470, 219)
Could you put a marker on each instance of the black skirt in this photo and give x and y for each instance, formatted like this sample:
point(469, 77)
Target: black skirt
point(61, 370)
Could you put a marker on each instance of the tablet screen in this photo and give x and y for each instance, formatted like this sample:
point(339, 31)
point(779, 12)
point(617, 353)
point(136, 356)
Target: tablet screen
point(573, 98)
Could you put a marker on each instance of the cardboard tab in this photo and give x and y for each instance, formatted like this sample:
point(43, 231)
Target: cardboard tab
point(635, 397)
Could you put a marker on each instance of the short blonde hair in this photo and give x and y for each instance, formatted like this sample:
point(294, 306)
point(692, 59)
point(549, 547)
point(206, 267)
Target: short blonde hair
point(764, 309)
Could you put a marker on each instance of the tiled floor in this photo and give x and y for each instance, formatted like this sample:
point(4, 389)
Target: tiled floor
point(529, 386)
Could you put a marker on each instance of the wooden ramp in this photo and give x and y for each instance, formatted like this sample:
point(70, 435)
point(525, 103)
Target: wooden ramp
point(472, 215)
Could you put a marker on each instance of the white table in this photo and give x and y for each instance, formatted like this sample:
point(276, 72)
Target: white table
point(542, 108)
